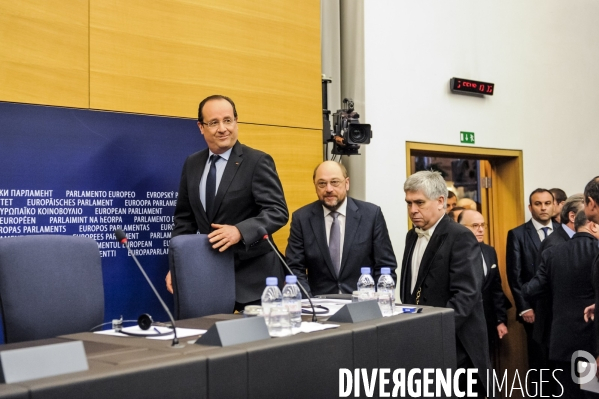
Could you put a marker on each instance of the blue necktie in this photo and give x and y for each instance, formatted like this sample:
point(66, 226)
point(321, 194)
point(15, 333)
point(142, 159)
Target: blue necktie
point(211, 184)
point(545, 229)
point(335, 242)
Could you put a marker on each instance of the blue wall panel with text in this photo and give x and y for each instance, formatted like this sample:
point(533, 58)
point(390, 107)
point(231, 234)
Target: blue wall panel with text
point(72, 171)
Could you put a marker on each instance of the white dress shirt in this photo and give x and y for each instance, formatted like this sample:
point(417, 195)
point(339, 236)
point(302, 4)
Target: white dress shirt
point(539, 227)
point(419, 249)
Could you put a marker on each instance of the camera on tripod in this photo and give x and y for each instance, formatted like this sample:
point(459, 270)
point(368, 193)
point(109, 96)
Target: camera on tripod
point(347, 133)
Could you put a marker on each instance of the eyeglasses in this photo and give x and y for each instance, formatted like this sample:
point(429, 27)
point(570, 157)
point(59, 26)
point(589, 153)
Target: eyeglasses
point(212, 125)
point(476, 226)
point(334, 183)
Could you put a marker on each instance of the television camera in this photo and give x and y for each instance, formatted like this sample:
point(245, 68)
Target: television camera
point(347, 133)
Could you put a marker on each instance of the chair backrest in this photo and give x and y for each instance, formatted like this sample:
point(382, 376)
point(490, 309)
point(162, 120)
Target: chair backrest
point(203, 278)
point(50, 285)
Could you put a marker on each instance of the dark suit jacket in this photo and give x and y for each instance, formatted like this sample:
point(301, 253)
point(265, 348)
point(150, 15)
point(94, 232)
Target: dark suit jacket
point(558, 236)
point(566, 275)
point(523, 244)
point(366, 243)
point(495, 302)
point(249, 196)
point(451, 276)
point(543, 305)
point(595, 278)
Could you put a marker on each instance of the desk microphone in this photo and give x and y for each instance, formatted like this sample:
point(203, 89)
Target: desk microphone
point(122, 238)
point(264, 234)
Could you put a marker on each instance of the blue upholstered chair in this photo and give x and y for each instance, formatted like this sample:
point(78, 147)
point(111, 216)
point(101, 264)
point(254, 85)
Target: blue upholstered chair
point(50, 285)
point(203, 278)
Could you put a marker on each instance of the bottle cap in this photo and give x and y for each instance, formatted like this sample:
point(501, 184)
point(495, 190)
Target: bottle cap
point(272, 281)
point(365, 270)
point(291, 279)
point(385, 270)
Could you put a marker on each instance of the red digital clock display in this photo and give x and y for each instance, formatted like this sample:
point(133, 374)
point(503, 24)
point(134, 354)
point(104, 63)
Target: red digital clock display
point(467, 86)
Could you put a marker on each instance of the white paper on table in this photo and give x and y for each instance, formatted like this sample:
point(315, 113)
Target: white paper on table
point(181, 332)
point(310, 326)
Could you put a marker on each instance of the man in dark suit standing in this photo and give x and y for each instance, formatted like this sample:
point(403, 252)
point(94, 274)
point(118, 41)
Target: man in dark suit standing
point(591, 210)
point(452, 201)
point(442, 266)
point(333, 237)
point(228, 191)
point(565, 273)
point(523, 244)
point(559, 198)
point(495, 303)
point(569, 209)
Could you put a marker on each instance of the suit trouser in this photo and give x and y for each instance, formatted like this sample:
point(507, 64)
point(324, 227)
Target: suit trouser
point(464, 361)
point(537, 360)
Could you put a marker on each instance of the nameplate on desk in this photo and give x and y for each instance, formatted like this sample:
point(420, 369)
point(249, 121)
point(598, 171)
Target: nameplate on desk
point(356, 312)
point(42, 361)
point(233, 332)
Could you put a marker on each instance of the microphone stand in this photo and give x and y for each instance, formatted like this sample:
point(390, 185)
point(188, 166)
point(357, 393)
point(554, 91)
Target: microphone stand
point(266, 237)
point(122, 238)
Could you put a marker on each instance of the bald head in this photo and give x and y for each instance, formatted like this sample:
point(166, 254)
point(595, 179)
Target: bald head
point(474, 221)
point(328, 165)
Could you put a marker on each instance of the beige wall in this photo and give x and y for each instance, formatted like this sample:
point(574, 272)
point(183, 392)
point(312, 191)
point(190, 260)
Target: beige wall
point(44, 52)
point(162, 57)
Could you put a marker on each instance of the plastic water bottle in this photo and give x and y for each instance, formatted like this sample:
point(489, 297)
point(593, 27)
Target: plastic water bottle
point(366, 284)
point(292, 299)
point(271, 297)
point(386, 292)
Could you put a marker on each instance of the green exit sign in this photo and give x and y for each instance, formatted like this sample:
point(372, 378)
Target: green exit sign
point(467, 137)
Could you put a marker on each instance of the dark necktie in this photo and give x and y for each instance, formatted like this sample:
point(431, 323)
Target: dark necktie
point(211, 183)
point(335, 242)
point(545, 229)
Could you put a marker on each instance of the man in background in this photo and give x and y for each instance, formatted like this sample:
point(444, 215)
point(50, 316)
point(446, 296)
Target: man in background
point(564, 274)
point(523, 244)
point(559, 197)
point(333, 237)
point(495, 303)
point(543, 310)
point(452, 201)
point(228, 191)
point(569, 208)
point(591, 210)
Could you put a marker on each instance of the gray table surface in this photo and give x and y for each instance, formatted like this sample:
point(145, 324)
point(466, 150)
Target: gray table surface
point(302, 366)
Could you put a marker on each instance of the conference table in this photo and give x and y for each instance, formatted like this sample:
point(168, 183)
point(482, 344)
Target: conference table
point(304, 365)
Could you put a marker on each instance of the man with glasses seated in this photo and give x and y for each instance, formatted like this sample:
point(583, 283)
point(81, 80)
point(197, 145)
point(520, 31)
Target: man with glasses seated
point(333, 237)
point(495, 303)
point(229, 191)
